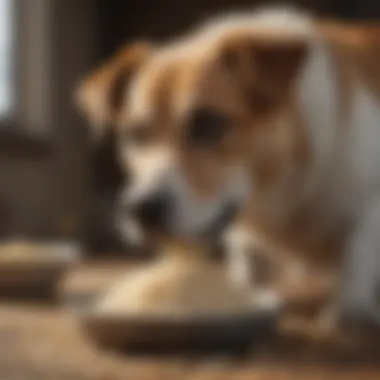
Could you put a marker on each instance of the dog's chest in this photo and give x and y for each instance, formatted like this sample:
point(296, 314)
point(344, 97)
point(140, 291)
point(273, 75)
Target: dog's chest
point(313, 232)
point(316, 229)
point(362, 159)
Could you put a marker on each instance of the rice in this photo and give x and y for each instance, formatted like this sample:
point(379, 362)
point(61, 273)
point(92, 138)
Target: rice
point(177, 284)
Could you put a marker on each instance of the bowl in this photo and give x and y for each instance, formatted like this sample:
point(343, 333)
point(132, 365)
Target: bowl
point(36, 273)
point(159, 333)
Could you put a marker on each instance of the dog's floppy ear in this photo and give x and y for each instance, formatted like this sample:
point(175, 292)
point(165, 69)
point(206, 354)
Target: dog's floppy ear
point(101, 95)
point(264, 67)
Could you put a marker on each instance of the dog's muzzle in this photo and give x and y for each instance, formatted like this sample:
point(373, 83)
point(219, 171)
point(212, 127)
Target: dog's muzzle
point(220, 223)
point(155, 216)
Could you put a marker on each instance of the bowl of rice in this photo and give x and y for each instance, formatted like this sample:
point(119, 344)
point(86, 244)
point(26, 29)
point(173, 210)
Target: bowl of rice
point(179, 301)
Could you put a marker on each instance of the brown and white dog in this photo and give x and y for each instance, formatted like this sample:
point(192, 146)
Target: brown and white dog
point(273, 111)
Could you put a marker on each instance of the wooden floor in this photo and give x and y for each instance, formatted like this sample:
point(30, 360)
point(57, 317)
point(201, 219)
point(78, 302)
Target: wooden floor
point(45, 342)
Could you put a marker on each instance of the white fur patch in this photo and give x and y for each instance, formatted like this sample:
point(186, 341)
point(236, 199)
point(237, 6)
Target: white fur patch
point(318, 100)
point(288, 20)
point(192, 214)
point(362, 274)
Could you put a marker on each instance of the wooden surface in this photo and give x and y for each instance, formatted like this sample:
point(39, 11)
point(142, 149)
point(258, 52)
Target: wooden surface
point(45, 342)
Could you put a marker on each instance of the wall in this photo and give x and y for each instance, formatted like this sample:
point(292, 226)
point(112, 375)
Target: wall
point(43, 185)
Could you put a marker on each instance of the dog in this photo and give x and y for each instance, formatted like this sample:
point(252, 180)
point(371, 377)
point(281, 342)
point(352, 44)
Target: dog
point(272, 113)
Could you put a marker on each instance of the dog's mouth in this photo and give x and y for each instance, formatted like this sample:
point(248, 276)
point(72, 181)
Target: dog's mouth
point(218, 226)
point(139, 235)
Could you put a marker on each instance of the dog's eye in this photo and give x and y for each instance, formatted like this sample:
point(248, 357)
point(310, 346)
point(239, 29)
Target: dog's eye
point(138, 134)
point(260, 101)
point(206, 127)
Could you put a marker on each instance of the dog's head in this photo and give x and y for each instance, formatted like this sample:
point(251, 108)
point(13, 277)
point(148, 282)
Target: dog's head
point(207, 120)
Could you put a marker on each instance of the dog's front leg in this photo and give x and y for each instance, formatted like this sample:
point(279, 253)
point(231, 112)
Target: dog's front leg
point(250, 263)
point(359, 294)
point(239, 244)
point(250, 266)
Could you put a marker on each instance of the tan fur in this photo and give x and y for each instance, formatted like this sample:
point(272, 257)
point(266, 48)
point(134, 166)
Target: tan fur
point(183, 80)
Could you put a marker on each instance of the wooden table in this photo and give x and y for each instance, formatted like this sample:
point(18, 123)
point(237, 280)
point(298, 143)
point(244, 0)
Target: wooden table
point(45, 342)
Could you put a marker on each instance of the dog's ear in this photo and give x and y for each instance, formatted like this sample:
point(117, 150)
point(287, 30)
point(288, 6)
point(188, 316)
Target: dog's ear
point(264, 67)
point(101, 95)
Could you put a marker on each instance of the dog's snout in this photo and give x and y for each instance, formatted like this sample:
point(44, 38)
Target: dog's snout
point(151, 212)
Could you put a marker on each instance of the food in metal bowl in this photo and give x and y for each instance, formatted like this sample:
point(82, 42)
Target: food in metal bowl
point(182, 282)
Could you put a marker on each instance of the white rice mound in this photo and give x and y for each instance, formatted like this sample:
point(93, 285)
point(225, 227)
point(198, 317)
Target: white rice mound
point(178, 284)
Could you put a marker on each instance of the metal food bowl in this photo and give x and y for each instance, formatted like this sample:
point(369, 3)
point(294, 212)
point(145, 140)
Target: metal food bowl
point(31, 277)
point(172, 333)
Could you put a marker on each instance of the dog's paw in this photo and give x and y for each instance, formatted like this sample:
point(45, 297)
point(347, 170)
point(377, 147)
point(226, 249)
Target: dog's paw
point(360, 314)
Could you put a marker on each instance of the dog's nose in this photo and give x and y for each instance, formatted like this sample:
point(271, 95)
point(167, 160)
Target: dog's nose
point(151, 212)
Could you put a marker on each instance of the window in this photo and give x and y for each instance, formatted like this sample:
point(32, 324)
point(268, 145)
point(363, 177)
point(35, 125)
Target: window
point(38, 66)
point(6, 57)
point(25, 68)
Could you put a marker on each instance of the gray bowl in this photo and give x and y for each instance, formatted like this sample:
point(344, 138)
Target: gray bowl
point(29, 278)
point(165, 334)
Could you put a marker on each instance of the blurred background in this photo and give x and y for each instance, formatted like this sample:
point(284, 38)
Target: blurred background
point(53, 183)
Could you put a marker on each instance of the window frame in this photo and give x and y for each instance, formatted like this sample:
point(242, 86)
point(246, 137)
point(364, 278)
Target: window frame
point(28, 124)
point(8, 5)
